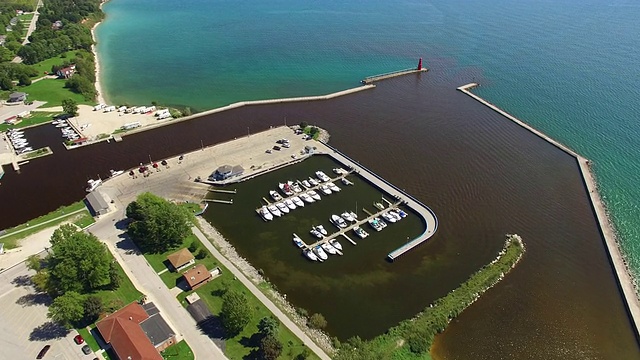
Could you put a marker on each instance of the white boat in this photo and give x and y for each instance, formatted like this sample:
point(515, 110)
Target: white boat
point(340, 171)
point(275, 196)
point(115, 173)
point(322, 176)
point(378, 205)
point(63, 124)
point(310, 255)
point(313, 181)
point(274, 210)
point(325, 189)
point(346, 181)
point(347, 216)
point(20, 146)
point(360, 232)
point(286, 189)
point(306, 184)
point(338, 221)
point(314, 195)
point(298, 241)
point(24, 150)
point(15, 132)
point(390, 218)
point(266, 215)
point(290, 204)
point(355, 216)
point(307, 198)
point(282, 207)
point(16, 136)
point(316, 233)
point(395, 214)
point(297, 201)
point(328, 248)
point(321, 230)
point(321, 254)
point(335, 244)
point(333, 187)
point(93, 184)
point(295, 187)
point(375, 224)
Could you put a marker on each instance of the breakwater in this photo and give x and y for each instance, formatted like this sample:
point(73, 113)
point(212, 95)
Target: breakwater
point(371, 79)
point(623, 277)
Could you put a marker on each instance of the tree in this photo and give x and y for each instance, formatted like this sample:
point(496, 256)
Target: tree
point(202, 253)
point(70, 107)
point(79, 261)
point(115, 279)
point(157, 225)
point(269, 326)
point(34, 262)
point(270, 348)
point(419, 342)
point(93, 307)
point(24, 80)
point(317, 321)
point(235, 313)
point(304, 355)
point(193, 247)
point(67, 309)
point(41, 281)
point(303, 125)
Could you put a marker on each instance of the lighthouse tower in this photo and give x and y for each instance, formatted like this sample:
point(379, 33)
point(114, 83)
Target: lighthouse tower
point(420, 64)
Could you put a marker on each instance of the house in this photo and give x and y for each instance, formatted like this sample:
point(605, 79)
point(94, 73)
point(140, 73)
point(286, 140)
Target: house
point(3, 39)
point(97, 203)
point(137, 332)
point(197, 276)
point(57, 25)
point(181, 259)
point(225, 172)
point(17, 97)
point(66, 72)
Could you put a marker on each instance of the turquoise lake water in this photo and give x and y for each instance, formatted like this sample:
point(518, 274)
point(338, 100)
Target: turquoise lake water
point(569, 68)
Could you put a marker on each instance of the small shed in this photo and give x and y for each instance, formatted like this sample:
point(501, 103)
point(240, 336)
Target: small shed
point(197, 276)
point(181, 259)
point(97, 203)
point(225, 172)
point(17, 97)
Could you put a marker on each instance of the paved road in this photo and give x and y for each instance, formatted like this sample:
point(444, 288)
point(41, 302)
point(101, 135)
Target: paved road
point(148, 282)
point(265, 300)
point(30, 29)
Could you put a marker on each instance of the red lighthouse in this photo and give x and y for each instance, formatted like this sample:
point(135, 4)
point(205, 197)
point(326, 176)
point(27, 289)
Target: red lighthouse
point(420, 64)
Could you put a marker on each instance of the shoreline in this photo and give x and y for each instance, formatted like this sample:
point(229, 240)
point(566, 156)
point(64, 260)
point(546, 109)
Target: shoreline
point(100, 94)
point(624, 276)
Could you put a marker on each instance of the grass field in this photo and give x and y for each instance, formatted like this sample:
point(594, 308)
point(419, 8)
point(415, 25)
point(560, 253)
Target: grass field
point(179, 351)
point(53, 92)
point(89, 339)
point(242, 345)
point(11, 236)
point(35, 119)
point(46, 65)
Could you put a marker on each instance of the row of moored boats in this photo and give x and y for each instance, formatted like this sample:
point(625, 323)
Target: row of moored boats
point(18, 141)
point(296, 193)
point(68, 132)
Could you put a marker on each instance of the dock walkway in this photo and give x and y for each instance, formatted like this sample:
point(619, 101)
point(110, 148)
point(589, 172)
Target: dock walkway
point(371, 79)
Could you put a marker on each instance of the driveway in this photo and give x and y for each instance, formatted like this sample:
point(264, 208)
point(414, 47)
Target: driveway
point(24, 326)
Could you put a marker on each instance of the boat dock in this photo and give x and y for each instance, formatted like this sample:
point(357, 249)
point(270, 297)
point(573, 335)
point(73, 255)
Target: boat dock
point(418, 207)
point(230, 202)
point(371, 79)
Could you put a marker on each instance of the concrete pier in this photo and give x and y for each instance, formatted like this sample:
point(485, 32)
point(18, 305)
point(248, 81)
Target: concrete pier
point(371, 79)
point(616, 258)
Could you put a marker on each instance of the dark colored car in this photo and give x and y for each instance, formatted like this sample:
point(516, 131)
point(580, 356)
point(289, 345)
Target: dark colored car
point(43, 352)
point(276, 148)
point(86, 349)
point(78, 339)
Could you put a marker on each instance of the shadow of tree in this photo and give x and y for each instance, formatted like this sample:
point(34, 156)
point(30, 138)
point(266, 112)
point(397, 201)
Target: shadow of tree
point(253, 341)
point(212, 327)
point(34, 299)
point(22, 280)
point(122, 224)
point(48, 331)
point(128, 245)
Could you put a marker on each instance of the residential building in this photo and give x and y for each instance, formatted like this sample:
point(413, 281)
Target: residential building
point(197, 276)
point(181, 259)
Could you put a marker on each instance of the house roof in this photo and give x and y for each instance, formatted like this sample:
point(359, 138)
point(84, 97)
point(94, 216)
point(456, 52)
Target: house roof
point(196, 275)
point(122, 330)
point(180, 257)
point(96, 201)
point(156, 329)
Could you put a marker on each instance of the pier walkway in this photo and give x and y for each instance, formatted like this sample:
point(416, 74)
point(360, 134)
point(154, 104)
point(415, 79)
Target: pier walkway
point(371, 79)
point(429, 217)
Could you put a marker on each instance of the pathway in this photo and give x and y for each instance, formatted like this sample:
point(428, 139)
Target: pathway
point(265, 300)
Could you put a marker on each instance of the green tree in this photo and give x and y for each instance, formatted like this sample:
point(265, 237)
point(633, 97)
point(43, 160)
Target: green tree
point(5, 83)
point(41, 281)
point(270, 348)
point(303, 125)
point(157, 225)
point(235, 313)
point(70, 107)
point(193, 247)
point(317, 321)
point(34, 262)
point(24, 80)
point(67, 309)
point(79, 262)
point(304, 355)
point(419, 342)
point(202, 253)
point(63, 233)
point(115, 279)
point(269, 326)
point(93, 307)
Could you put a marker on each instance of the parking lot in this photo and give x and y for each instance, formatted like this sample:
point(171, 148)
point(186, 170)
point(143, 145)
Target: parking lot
point(24, 326)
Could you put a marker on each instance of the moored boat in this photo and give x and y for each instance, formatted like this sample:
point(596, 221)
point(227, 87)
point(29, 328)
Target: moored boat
point(378, 205)
point(346, 181)
point(316, 233)
point(361, 233)
point(325, 189)
point(335, 244)
point(402, 213)
point(375, 224)
point(115, 173)
point(333, 187)
point(320, 229)
point(320, 252)
point(390, 218)
point(307, 198)
point(338, 221)
point(298, 241)
point(340, 171)
point(275, 196)
point(290, 204)
point(313, 182)
point(348, 217)
point(310, 255)
point(93, 184)
point(274, 210)
point(297, 201)
point(322, 176)
point(306, 184)
point(329, 249)
point(266, 215)
point(395, 214)
point(295, 187)
point(285, 188)
point(314, 195)
point(282, 207)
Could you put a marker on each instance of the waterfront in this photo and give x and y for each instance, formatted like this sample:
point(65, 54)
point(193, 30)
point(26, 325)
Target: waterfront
point(481, 174)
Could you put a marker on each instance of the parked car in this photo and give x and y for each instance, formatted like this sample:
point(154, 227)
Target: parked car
point(43, 352)
point(78, 339)
point(86, 350)
point(276, 147)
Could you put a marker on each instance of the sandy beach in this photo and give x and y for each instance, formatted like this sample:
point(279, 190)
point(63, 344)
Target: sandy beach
point(100, 96)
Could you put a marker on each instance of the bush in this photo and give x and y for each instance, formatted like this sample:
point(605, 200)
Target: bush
point(193, 247)
point(202, 253)
point(317, 321)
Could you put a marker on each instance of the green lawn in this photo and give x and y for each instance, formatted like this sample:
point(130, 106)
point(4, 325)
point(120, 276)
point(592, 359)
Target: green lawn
point(84, 221)
point(211, 294)
point(53, 92)
point(124, 294)
point(46, 65)
point(10, 238)
point(89, 339)
point(35, 118)
point(179, 351)
point(26, 17)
